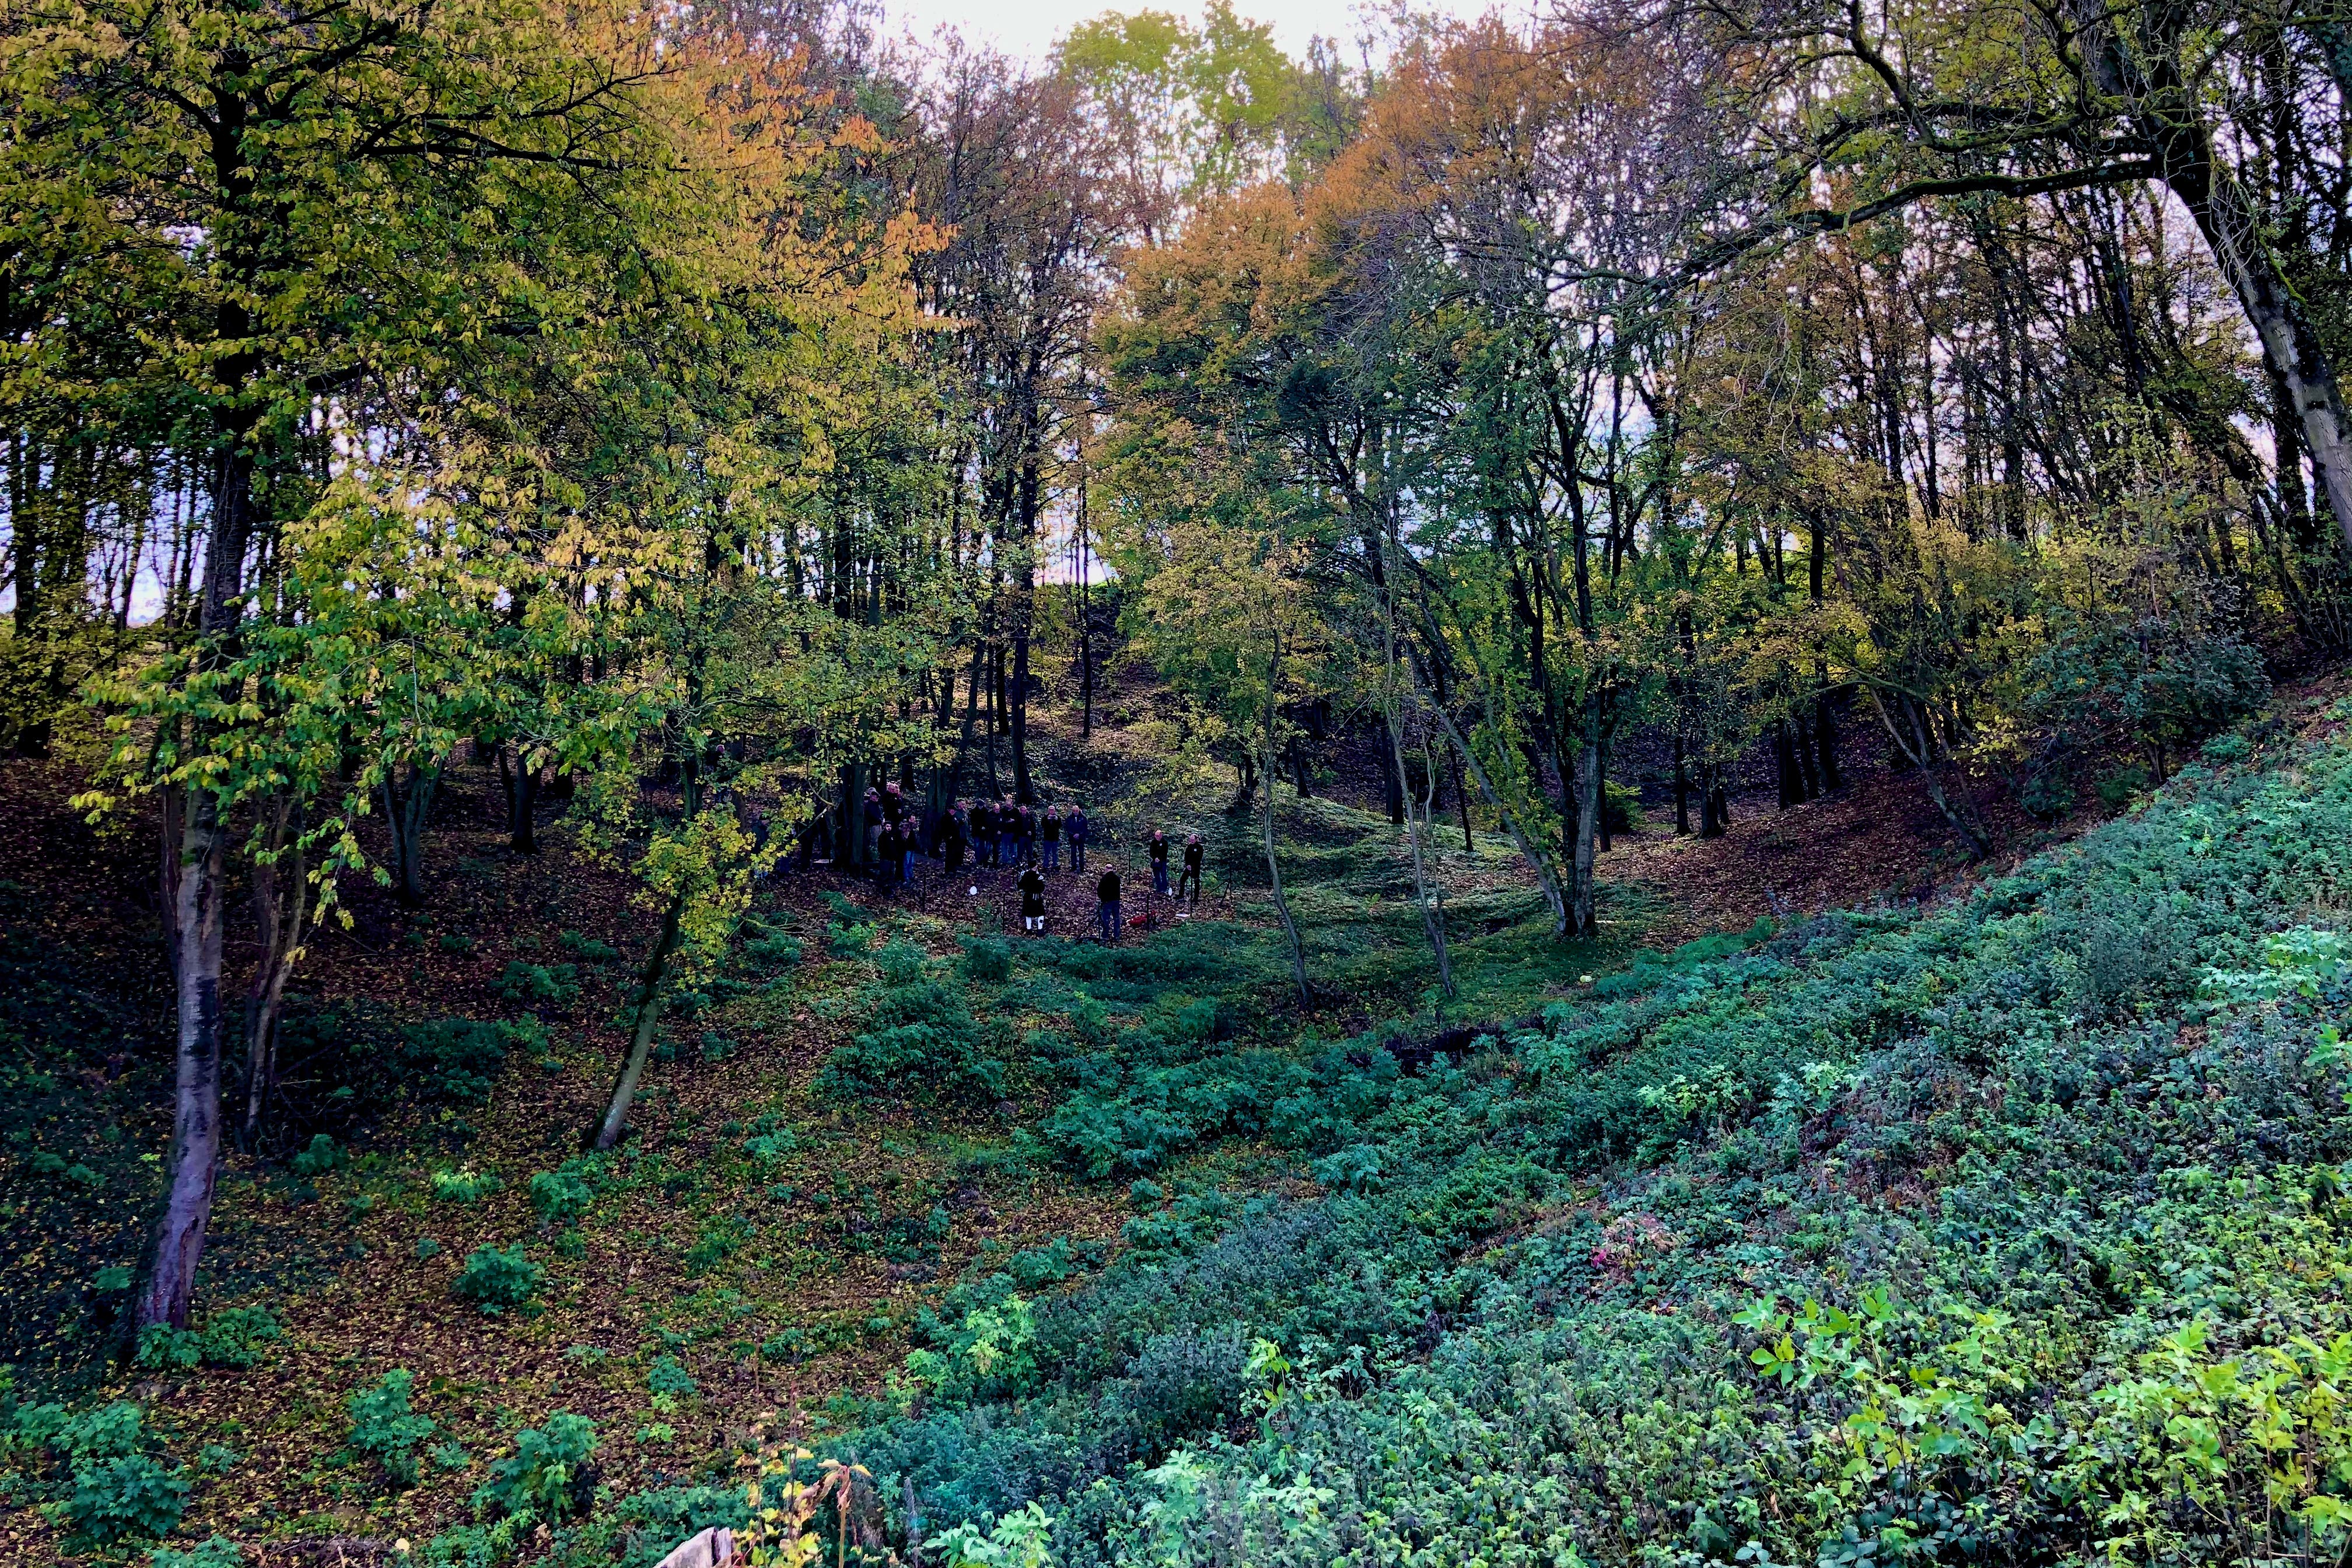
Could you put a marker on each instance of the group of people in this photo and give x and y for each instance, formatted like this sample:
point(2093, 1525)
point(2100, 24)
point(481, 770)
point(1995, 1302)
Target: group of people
point(998, 834)
point(1001, 834)
point(1109, 912)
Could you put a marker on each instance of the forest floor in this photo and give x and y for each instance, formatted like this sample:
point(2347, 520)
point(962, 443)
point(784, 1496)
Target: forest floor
point(782, 1280)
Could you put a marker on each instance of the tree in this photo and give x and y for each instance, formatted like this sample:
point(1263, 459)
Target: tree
point(1884, 111)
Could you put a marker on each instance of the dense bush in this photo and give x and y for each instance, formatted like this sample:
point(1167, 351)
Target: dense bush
point(465, 1186)
point(553, 985)
point(2011, 1230)
point(234, 1336)
point(496, 1280)
point(384, 1429)
point(922, 1042)
point(547, 1477)
point(561, 1196)
point(113, 1487)
point(455, 1061)
point(767, 947)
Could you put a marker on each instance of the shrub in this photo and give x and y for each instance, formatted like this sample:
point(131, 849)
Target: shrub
point(2092, 1115)
point(321, 1156)
point(57, 1168)
point(850, 940)
point(717, 1241)
point(924, 1045)
point(766, 947)
point(2117, 788)
point(232, 1338)
point(119, 1490)
point(133, 1496)
point(1036, 1268)
point(559, 1197)
point(769, 1147)
point(539, 985)
point(383, 1429)
point(452, 1061)
point(465, 1186)
point(668, 1375)
point(214, 1552)
point(587, 949)
point(496, 1280)
point(548, 1476)
point(987, 960)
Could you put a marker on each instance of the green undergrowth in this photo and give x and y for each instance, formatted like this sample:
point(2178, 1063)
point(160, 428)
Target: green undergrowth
point(2012, 1230)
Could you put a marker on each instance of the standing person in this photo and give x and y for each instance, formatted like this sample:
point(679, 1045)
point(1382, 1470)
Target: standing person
point(951, 839)
point(1190, 880)
point(1077, 828)
point(1158, 849)
point(1049, 832)
point(873, 828)
point(1024, 833)
point(1032, 901)
point(984, 833)
point(885, 858)
point(1108, 891)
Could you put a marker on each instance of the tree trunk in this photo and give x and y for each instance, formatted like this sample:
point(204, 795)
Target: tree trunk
point(1246, 785)
point(1545, 877)
point(1433, 916)
point(2291, 343)
point(521, 782)
point(1023, 791)
point(1825, 741)
point(195, 934)
point(1274, 871)
point(1918, 749)
point(849, 845)
point(1682, 792)
point(1461, 804)
point(1392, 777)
point(1587, 802)
point(280, 898)
point(405, 813)
point(1784, 766)
point(647, 1020)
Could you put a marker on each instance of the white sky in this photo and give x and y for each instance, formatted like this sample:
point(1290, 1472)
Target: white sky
point(1027, 29)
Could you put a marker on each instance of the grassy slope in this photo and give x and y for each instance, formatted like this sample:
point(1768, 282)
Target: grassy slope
point(2040, 1195)
point(788, 1279)
point(1474, 1232)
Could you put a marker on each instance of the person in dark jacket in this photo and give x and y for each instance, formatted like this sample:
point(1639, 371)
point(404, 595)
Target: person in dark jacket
point(951, 839)
point(1108, 891)
point(885, 858)
point(1032, 901)
point(984, 833)
point(1008, 832)
point(1049, 833)
point(1190, 882)
point(1158, 849)
point(873, 819)
point(1075, 825)
point(1024, 833)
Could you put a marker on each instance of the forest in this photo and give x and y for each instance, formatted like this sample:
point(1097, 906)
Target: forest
point(1560, 787)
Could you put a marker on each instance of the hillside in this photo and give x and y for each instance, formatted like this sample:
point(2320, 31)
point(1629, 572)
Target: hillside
point(1923, 1226)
